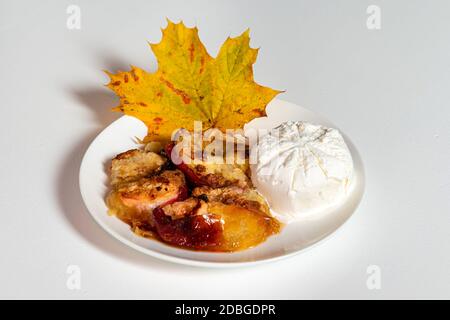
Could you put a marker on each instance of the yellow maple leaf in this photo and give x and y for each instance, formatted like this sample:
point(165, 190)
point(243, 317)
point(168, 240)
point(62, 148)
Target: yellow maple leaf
point(190, 85)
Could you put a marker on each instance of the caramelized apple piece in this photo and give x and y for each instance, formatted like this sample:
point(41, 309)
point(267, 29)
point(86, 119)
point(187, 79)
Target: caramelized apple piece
point(190, 175)
point(216, 175)
point(134, 201)
point(133, 165)
point(212, 226)
point(242, 228)
point(193, 230)
point(181, 209)
point(243, 197)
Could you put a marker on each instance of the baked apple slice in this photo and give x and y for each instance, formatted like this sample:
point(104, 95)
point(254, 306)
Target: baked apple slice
point(208, 173)
point(133, 202)
point(188, 224)
point(212, 226)
point(242, 228)
point(134, 164)
point(247, 198)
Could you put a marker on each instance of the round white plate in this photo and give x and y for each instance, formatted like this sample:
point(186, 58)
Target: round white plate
point(120, 136)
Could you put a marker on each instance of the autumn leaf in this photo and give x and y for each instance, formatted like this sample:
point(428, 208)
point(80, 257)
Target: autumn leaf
point(190, 85)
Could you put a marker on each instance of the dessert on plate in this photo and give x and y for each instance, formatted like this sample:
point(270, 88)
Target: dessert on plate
point(213, 212)
point(207, 194)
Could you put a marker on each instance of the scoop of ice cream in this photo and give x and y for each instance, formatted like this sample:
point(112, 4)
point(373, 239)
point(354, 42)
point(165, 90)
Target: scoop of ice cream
point(301, 168)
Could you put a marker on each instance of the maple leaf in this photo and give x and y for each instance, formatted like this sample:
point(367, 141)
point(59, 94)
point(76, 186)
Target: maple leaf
point(190, 85)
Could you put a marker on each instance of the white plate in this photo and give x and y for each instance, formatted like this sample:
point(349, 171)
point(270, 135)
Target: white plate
point(120, 136)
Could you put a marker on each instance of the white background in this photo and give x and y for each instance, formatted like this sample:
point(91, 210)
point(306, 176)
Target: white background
point(388, 89)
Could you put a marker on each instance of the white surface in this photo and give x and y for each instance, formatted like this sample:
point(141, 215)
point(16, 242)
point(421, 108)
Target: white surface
point(120, 136)
point(387, 89)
